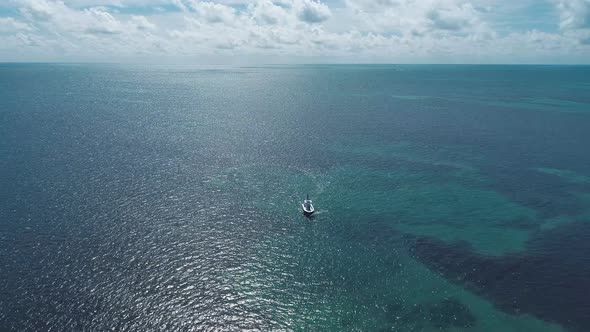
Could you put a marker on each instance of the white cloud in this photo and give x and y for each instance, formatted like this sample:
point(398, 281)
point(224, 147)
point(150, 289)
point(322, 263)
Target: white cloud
point(142, 23)
point(266, 12)
point(99, 21)
point(9, 24)
point(311, 11)
point(456, 18)
point(378, 30)
point(574, 14)
point(214, 12)
point(58, 17)
point(179, 4)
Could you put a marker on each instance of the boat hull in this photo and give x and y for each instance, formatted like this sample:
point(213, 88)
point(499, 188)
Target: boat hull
point(307, 212)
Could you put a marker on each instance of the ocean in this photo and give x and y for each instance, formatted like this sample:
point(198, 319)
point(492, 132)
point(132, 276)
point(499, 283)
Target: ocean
point(168, 198)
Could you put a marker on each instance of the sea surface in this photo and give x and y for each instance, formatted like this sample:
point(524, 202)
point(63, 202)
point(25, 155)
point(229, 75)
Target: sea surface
point(167, 198)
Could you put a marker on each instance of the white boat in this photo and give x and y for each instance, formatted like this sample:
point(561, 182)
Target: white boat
point(307, 206)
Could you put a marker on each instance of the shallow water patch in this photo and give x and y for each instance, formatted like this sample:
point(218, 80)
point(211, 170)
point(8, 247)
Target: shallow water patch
point(567, 175)
point(554, 265)
point(416, 205)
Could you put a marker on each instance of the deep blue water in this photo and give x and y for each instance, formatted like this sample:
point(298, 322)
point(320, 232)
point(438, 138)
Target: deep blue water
point(452, 198)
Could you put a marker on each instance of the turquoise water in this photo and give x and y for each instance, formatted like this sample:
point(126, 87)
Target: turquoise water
point(453, 198)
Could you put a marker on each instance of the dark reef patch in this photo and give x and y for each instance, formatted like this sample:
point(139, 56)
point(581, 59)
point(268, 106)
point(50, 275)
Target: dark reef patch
point(548, 194)
point(450, 313)
point(443, 315)
point(556, 265)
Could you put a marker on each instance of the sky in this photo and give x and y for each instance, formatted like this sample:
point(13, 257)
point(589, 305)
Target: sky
point(296, 31)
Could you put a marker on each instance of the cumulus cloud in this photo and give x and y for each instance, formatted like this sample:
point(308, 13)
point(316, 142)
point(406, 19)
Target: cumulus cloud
point(311, 11)
point(574, 19)
point(41, 10)
point(574, 14)
point(115, 3)
point(388, 30)
point(214, 12)
point(457, 18)
point(142, 23)
point(58, 17)
point(179, 4)
point(99, 21)
point(9, 24)
point(267, 12)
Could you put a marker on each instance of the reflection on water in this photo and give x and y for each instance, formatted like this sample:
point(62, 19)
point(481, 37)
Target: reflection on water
point(435, 211)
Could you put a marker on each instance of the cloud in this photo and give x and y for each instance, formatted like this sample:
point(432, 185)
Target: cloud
point(311, 11)
point(9, 24)
point(142, 23)
point(99, 21)
point(416, 23)
point(41, 10)
point(58, 17)
point(214, 12)
point(457, 18)
point(266, 12)
point(378, 30)
point(574, 19)
point(115, 3)
point(179, 4)
point(574, 14)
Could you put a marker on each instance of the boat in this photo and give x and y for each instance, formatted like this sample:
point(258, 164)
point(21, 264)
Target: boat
point(307, 206)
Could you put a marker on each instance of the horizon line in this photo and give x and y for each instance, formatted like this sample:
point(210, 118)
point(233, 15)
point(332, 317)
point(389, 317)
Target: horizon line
point(296, 63)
